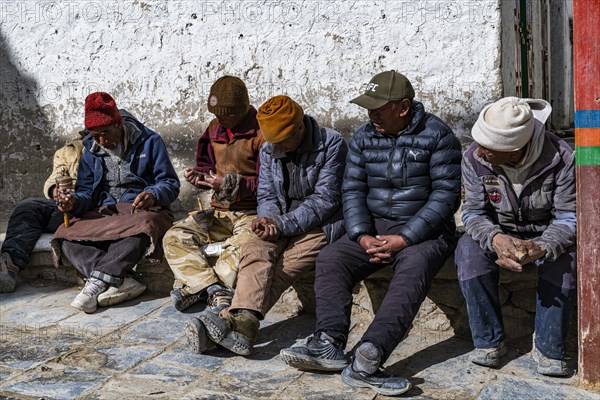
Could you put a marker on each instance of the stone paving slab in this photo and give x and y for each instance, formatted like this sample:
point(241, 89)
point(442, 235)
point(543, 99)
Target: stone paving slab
point(138, 350)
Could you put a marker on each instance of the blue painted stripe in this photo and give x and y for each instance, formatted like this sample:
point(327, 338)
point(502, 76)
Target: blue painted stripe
point(587, 119)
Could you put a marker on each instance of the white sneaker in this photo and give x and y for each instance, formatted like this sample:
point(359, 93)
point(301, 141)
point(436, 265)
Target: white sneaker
point(87, 299)
point(549, 366)
point(129, 289)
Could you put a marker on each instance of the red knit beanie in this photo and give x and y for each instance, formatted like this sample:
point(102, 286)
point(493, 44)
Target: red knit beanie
point(100, 110)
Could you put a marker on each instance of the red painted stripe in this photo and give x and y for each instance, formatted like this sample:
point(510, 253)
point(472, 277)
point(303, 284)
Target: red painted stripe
point(587, 137)
point(586, 54)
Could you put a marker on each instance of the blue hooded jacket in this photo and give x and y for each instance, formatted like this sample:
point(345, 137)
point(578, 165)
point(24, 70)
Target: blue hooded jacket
point(149, 163)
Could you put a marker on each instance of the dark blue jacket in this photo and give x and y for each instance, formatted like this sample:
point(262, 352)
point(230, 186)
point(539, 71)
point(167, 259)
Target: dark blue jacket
point(321, 185)
point(413, 178)
point(149, 162)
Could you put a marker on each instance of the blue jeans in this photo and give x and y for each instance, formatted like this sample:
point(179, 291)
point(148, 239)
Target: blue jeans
point(478, 275)
point(30, 218)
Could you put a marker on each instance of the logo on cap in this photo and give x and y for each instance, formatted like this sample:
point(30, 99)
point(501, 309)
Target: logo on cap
point(369, 87)
point(213, 100)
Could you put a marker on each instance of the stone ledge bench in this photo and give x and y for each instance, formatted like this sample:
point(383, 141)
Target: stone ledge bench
point(157, 276)
point(443, 310)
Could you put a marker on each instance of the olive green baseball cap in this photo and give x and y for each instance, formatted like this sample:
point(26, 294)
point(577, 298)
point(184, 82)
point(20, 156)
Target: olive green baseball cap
point(383, 88)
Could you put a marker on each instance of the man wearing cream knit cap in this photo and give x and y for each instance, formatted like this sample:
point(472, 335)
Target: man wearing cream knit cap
point(518, 209)
point(299, 212)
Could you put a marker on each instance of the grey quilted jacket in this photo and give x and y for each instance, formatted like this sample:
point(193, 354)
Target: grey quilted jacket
point(321, 181)
point(544, 211)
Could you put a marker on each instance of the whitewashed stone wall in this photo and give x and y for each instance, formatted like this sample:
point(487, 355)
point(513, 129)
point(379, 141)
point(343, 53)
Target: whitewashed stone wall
point(159, 58)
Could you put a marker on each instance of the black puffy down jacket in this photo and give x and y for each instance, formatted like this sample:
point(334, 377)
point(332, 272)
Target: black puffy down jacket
point(413, 178)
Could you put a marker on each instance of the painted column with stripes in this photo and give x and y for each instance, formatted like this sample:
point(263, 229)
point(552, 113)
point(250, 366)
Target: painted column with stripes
point(586, 54)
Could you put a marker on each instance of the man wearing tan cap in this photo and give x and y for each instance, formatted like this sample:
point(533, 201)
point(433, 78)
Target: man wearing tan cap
point(518, 210)
point(400, 191)
point(227, 162)
point(299, 199)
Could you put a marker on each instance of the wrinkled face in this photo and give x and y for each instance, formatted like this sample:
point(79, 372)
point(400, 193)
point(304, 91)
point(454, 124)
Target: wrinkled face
point(109, 136)
point(392, 117)
point(230, 121)
point(291, 143)
point(499, 157)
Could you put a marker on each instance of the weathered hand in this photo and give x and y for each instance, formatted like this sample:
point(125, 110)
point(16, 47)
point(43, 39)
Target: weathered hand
point(143, 201)
point(508, 247)
point(212, 181)
point(517, 250)
point(266, 229)
point(380, 247)
point(65, 201)
point(193, 175)
point(532, 251)
point(393, 244)
point(509, 264)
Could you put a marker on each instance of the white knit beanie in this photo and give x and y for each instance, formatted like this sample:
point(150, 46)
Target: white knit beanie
point(506, 125)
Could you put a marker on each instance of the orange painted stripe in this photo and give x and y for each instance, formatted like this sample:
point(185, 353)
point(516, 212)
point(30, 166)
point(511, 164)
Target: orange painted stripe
point(587, 136)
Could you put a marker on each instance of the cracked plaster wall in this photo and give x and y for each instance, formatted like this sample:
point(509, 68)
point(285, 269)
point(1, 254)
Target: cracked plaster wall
point(159, 59)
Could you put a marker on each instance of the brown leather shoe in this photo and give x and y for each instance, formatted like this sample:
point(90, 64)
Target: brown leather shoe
point(8, 273)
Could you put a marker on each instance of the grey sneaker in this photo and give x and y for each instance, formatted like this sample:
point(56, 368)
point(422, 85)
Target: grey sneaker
point(380, 381)
point(489, 357)
point(320, 353)
point(549, 366)
point(129, 289)
point(87, 299)
point(8, 273)
point(219, 298)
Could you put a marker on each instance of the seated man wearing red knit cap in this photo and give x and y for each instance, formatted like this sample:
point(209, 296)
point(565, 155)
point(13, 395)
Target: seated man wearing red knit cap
point(227, 162)
point(299, 212)
point(121, 204)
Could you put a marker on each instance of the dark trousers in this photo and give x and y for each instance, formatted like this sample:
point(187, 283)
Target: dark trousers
point(343, 264)
point(478, 275)
point(30, 218)
point(108, 260)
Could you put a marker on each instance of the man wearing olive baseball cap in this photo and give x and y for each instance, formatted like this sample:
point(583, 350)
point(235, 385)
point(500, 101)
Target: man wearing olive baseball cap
point(383, 88)
point(400, 190)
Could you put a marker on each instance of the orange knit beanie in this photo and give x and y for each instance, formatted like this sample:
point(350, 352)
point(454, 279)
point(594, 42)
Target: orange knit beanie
point(278, 118)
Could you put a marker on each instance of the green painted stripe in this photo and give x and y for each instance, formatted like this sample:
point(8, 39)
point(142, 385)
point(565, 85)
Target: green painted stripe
point(587, 155)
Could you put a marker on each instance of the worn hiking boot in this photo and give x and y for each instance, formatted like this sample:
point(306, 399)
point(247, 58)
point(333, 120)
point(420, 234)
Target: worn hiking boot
point(234, 331)
point(129, 289)
point(219, 298)
point(320, 353)
point(380, 381)
point(87, 299)
point(8, 273)
point(197, 336)
point(549, 366)
point(489, 357)
point(183, 299)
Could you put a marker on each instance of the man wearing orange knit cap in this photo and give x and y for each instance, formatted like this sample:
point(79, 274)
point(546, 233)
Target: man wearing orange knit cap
point(299, 212)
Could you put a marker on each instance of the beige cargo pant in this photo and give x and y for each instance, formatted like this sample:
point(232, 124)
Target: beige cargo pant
point(189, 264)
point(267, 269)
